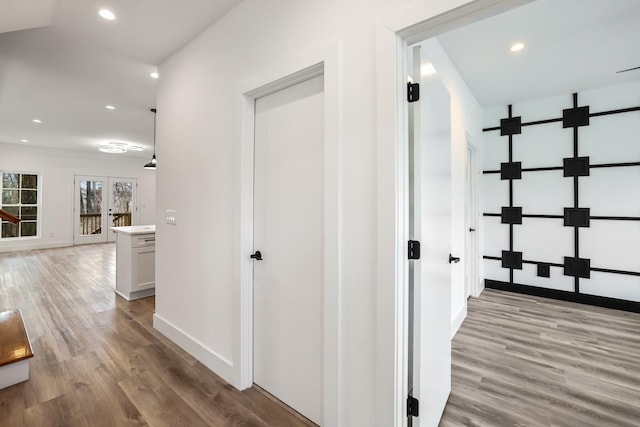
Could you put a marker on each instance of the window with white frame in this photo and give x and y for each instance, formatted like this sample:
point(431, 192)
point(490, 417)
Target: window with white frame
point(20, 197)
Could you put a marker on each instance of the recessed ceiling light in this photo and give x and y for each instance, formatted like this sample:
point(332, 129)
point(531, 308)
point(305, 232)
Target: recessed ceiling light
point(155, 75)
point(37, 121)
point(109, 107)
point(427, 69)
point(113, 148)
point(516, 47)
point(107, 14)
point(24, 140)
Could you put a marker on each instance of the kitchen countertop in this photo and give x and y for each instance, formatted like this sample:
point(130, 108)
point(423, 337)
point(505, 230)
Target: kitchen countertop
point(136, 229)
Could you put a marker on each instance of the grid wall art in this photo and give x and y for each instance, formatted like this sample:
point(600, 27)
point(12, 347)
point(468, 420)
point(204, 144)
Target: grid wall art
point(562, 199)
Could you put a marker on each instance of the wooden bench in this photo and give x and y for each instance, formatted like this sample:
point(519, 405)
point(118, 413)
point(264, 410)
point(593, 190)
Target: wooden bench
point(15, 349)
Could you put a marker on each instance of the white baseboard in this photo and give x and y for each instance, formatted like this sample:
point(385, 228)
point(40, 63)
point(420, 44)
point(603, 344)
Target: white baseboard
point(14, 373)
point(458, 319)
point(209, 358)
point(36, 245)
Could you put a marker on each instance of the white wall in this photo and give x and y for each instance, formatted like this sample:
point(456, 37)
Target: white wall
point(197, 288)
point(57, 169)
point(608, 192)
point(466, 119)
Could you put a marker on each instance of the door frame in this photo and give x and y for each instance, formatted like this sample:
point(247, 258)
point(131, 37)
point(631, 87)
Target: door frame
point(394, 33)
point(324, 60)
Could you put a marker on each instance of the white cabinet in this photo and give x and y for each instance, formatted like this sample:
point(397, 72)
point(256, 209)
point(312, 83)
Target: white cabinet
point(135, 261)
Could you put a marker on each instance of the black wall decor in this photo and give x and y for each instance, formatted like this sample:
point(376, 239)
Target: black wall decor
point(577, 216)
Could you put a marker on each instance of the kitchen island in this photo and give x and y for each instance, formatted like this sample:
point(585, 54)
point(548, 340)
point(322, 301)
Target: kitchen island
point(135, 261)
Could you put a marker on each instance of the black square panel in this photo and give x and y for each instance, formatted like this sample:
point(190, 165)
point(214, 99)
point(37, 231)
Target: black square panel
point(511, 215)
point(577, 267)
point(575, 117)
point(511, 126)
point(577, 217)
point(512, 260)
point(511, 170)
point(578, 166)
point(544, 269)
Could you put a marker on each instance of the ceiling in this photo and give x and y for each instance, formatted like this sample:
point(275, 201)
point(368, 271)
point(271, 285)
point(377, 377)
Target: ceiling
point(570, 46)
point(61, 63)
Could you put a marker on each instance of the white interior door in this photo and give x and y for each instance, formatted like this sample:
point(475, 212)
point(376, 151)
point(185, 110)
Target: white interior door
point(431, 217)
point(100, 203)
point(289, 233)
point(471, 245)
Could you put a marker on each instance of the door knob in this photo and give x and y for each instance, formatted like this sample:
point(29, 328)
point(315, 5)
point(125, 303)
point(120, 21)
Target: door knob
point(472, 229)
point(453, 259)
point(257, 256)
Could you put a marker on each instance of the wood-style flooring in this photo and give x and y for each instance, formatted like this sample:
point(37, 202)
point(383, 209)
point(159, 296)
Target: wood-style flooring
point(529, 361)
point(99, 362)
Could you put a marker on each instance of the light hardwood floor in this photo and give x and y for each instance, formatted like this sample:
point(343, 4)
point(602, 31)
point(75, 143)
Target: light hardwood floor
point(99, 362)
point(529, 361)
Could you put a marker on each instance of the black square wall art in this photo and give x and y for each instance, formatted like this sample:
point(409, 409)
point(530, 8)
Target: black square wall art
point(577, 267)
point(573, 117)
point(511, 170)
point(577, 217)
point(511, 126)
point(512, 260)
point(578, 166)
point(511, 215)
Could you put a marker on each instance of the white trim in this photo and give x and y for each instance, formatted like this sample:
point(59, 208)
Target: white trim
point(322, 60)
point(204, 354)
point(14, 373)
point(458, 319)
point(407, 25)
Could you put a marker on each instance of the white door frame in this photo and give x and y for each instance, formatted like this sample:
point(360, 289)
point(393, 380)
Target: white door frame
point(394, 33)
point(320, 61)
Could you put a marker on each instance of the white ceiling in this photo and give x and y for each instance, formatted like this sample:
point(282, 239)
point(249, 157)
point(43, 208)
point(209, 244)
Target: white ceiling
point(61, 63)
point(571, 46)
point(67, 63)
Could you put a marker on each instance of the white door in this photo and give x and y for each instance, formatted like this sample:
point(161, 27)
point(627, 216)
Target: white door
point(430, 153)
point(289, 232)
point(100, 203)
point(471, 245)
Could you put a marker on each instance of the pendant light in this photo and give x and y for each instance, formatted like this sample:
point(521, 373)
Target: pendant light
point(152, 163)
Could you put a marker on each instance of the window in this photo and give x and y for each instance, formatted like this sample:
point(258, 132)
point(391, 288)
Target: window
point(20, 198)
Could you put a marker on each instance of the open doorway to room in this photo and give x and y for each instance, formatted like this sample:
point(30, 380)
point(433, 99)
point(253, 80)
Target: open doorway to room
point(546, 124)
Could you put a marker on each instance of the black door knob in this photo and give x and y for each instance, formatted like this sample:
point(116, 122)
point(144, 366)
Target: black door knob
point(257, 256)
point(472, 229)
point(453, 259)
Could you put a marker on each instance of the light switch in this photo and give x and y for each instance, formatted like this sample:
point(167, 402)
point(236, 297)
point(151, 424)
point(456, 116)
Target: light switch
point(171, 217)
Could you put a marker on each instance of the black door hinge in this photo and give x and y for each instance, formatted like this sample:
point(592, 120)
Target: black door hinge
point(413, 92)
point(414, 249)
point(413, 407)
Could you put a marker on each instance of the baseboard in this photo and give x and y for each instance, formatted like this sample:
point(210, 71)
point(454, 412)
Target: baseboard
point(458, 319)
point(205, 355)
point(26, 246)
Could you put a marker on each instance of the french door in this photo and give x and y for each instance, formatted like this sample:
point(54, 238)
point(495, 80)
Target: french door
point(101, 203)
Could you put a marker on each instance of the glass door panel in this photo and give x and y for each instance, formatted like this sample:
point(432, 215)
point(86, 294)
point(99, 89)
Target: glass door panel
point(121, 203)
point(90, 210)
